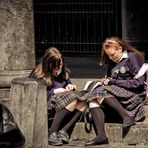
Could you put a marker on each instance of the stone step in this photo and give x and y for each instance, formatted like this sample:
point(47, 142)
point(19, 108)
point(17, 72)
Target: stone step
point(137, 135)
point(146, 113)
point(80, 144)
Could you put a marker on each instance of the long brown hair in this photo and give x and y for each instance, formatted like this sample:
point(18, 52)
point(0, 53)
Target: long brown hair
point(116, 42)
point(51, 60)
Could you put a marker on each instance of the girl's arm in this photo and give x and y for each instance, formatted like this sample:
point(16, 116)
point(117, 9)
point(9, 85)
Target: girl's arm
point(135, 62)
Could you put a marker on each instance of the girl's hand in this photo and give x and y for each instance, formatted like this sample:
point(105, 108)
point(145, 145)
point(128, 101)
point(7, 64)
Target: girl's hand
point(105, 81)
point(70, 87)
point(59, 90)
point(142, 71)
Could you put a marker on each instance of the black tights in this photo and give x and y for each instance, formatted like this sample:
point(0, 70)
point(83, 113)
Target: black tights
point(59, 117)
point(114, 103)
point(98, 122)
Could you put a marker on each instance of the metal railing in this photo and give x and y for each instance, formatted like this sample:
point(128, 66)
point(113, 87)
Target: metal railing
point(76, 26)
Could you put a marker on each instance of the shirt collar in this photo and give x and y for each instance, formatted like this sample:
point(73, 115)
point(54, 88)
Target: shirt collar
point(124, 55)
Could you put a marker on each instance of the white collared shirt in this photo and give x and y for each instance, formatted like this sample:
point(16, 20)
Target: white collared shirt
point(124, 55)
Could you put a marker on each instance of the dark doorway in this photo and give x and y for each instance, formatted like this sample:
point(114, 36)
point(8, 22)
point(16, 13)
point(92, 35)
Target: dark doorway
point(77, 28)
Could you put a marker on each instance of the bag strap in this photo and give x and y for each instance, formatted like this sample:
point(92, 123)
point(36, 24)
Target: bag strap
point(89, 86)
point(87, 120)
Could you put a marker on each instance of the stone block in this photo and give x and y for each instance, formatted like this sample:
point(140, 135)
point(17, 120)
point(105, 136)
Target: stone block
point(28, 104)
point(137, 135)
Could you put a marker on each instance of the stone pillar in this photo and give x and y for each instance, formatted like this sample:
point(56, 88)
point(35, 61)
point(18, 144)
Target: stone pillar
point(17, 47)
point(28, 105)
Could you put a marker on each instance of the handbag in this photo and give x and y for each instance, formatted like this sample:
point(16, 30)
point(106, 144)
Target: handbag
point(10, 134)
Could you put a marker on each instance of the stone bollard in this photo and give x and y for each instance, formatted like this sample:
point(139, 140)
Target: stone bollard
point(28, 104)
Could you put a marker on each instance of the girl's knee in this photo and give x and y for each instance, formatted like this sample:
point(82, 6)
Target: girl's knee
point(81, 106)
point(72, 105)
point(94, 103)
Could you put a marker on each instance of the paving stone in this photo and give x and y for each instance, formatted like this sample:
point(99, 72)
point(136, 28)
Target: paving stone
point(80, 144)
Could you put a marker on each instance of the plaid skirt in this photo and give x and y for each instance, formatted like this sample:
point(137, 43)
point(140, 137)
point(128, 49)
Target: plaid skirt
point(133, 103)
point(61, 100)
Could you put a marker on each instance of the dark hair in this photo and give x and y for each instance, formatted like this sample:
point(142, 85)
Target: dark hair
point(51, 60)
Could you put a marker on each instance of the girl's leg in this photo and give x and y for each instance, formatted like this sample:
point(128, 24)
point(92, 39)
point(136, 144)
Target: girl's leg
point(59, 117)
point(68, 128)
point(115, 104)
point(98, 123)
point(78, 111)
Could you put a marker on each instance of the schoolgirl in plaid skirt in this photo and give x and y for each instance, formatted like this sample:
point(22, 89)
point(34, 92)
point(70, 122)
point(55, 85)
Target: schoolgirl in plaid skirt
point(60, 95)
point(120, 90)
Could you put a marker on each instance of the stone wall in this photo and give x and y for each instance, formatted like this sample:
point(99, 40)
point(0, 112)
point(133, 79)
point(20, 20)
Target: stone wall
point(17, 47)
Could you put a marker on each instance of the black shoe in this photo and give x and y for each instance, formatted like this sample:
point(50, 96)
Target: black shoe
point(54, 139)
point(128, 122)
point(97, 142)
point(63, 136)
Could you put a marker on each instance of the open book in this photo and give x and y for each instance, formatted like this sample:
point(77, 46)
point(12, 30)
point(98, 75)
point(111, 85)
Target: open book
point(91, 85)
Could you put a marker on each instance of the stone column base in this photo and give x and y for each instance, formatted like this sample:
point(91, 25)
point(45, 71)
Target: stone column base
point(7, 76)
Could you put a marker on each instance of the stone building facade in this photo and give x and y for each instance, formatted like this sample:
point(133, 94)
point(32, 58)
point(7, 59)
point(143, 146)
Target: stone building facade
point(17, 46)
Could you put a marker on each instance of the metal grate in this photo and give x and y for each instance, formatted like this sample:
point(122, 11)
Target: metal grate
point(75, 26)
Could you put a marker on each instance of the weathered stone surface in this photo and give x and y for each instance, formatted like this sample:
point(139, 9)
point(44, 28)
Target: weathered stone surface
point(137, 134)
point(17, 35)
point(81, 144)
point(7, 76)
point(28, 104)
point(4, 95)
point(17, 40)
point(146, 114)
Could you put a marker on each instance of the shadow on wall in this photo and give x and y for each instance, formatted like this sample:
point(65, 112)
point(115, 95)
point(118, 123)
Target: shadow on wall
point(85, 67)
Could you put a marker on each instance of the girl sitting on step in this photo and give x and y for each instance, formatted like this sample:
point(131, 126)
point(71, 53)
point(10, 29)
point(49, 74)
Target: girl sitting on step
point(60, 94)
point(120, 90)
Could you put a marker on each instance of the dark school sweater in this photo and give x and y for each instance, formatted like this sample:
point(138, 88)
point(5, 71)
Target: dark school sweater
point(122, 73)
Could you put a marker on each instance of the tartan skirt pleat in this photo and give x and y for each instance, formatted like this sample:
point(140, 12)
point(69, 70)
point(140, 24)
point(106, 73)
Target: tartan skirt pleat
point(133, 103)
point(61, 100)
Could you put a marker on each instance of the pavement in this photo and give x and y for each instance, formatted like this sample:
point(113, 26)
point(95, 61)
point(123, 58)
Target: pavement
point(80, 144)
